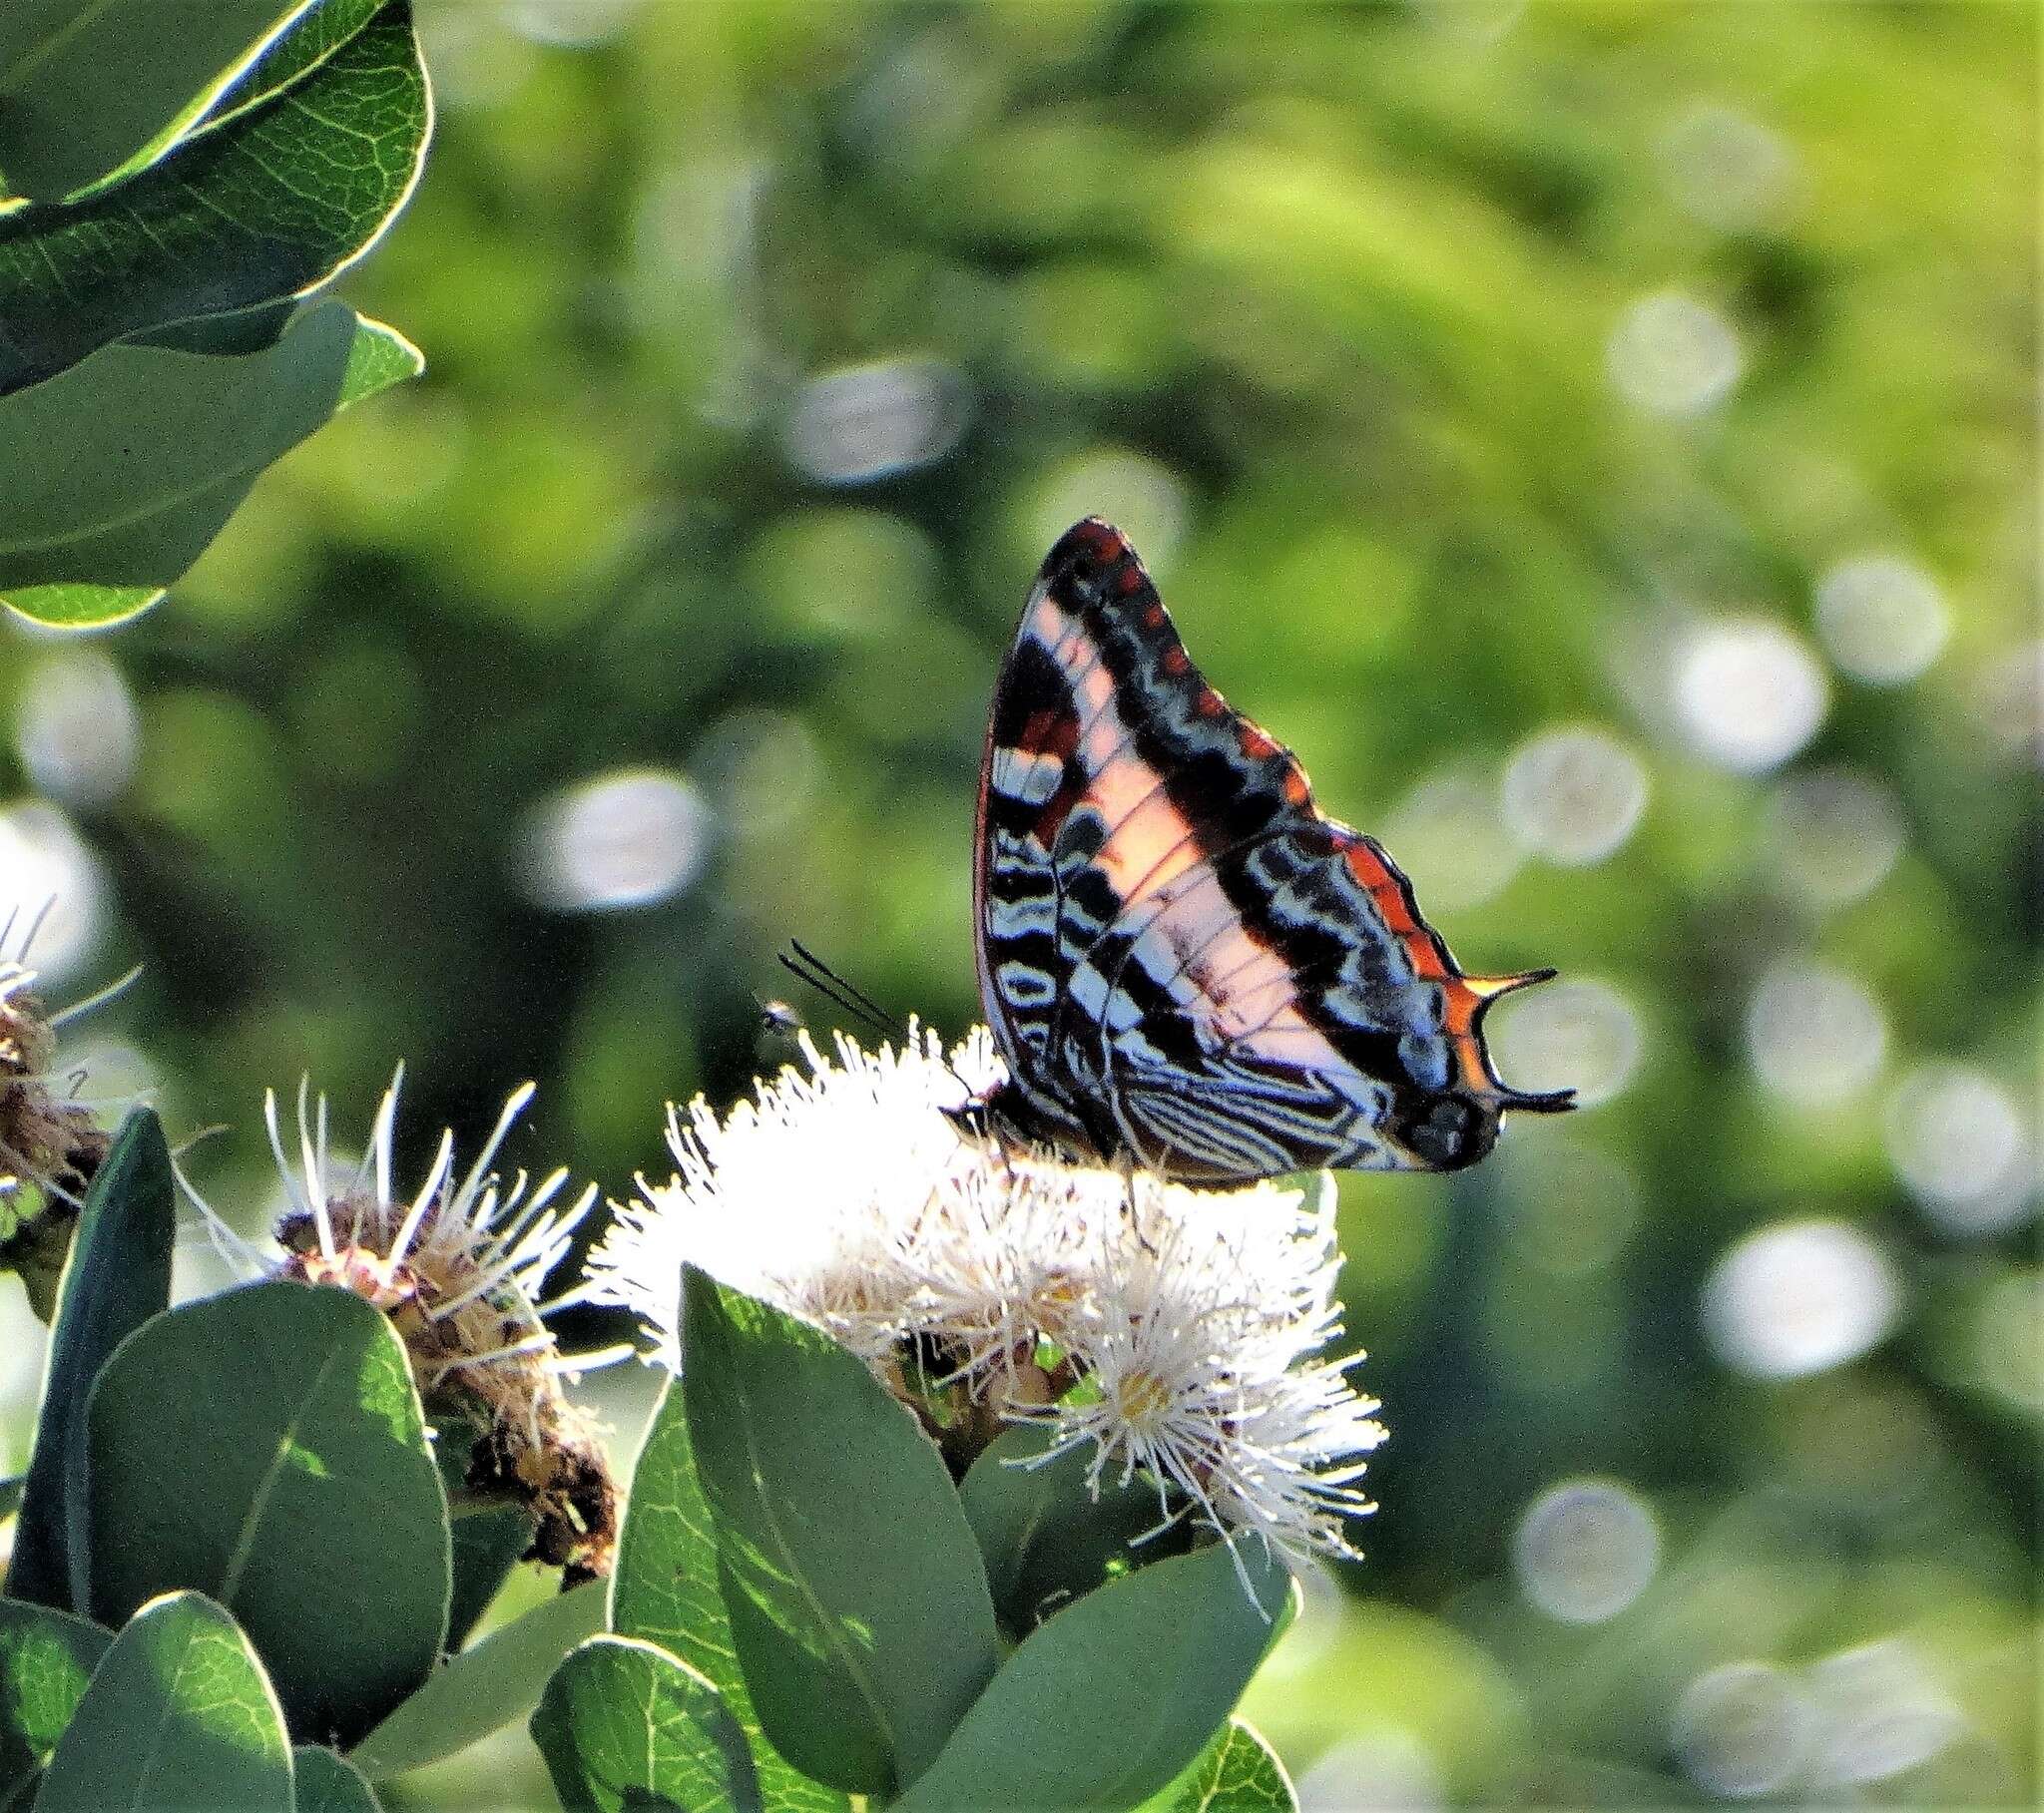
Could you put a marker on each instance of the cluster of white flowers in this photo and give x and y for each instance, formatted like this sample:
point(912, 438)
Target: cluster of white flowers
point(1194, 1323)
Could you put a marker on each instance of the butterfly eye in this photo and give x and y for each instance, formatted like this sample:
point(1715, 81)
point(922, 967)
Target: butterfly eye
point(1452, 1135)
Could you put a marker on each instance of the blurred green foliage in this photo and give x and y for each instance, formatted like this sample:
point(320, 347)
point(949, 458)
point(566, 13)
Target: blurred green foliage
point(1464, 370)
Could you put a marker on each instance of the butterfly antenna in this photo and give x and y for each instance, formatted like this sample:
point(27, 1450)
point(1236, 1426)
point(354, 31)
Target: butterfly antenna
point(811, 967)
point(807, 967)
point(857, 994)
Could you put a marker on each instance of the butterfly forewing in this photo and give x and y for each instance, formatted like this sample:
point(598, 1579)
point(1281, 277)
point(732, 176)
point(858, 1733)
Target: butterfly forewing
point(1183, 960)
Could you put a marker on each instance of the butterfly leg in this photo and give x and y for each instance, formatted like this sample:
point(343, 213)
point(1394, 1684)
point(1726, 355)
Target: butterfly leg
point(1126, 1164)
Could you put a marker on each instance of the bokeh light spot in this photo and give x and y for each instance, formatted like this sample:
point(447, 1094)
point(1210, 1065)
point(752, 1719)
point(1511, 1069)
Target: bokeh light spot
point(1799, 1298)
point(568, 24)
point(48, 877)
point(1573, 794)
point(2007, 698)
point(865, 422)
point(1748, 692)
point(1958, 1141)
point(1815, 1036)
point(1475, 25)
point(760, 770)
point(1833, 835)
point(1880, 1712)
point(1452, 842)
point(1143, 498)
point(1743, 1730)
point(75, 727)
point(1673, 355)
point(1882, 618)
point(1585, 1550)
point(1571, 1207)
point(851, 574)
point(1726, 169)
point(1385, 1768)
point(621, 840)
point(2006, 1339)
point(23, 1340)
point(1573, 1034)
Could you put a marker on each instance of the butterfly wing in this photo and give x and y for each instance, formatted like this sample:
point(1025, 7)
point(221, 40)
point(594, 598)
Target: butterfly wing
point(1182, 957)
point(1031, 776)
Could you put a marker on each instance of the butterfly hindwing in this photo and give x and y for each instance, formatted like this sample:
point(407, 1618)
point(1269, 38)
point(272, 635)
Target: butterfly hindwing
point(1183, 960)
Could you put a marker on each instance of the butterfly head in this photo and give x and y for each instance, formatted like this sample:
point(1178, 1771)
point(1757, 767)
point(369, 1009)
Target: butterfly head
point(1012, 1117)
point(1451, 1131)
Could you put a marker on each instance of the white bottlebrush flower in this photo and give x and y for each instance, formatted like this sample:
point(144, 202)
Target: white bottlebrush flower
point(459, 1266)
point(1176, 1331)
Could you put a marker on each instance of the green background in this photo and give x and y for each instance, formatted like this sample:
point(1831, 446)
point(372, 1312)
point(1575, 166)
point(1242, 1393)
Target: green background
point(1466, 373)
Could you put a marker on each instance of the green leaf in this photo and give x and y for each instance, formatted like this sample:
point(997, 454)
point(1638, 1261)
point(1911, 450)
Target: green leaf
point(45, 1660)
point(484, 1689)
point(625, 1724)
point(858, 1601)
point(488, 1542)
point(1237, 1773)
point(270, 200)
point(10, 1494)
point(1044, 1538)
point(80, 606)
point(88, 86)
point(666, 1591)
point(490, 1534)
point(179, 1714)
point(1107, 1702)
point(378, 358)
point(192, 430)
point(118, 1276)
point(266, 1446)
point(327, 1783)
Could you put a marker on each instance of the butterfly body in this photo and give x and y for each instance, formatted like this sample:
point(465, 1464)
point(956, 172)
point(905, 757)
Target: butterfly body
point(1186, 966)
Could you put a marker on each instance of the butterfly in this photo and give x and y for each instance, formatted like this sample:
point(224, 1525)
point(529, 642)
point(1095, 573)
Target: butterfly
point(1186, 966)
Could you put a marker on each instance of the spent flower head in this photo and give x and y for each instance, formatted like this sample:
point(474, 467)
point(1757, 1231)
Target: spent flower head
point(51, 1143)
point(1174, 1332)
point(458, 1266)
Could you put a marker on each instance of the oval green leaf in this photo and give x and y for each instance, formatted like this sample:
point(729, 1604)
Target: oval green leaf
point(1237, 1773)
point(88, 86)
point(858, 1604)
point(80, 607)
point(623, 1724)
point(193, 430)
point(46, 1661)
point(118, 1276)
point(484, 1689)
point(1111, 1699)
point(179, 1716)
point(195, 417)
point(265, 1447)
point(488, 1542)
point(327, 1783)
point(270, 200)
point(666, 1591)
point(1045, 1538)
point(490, 1534)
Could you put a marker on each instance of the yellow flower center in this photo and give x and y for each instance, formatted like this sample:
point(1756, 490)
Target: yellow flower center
point(1143, 1399)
